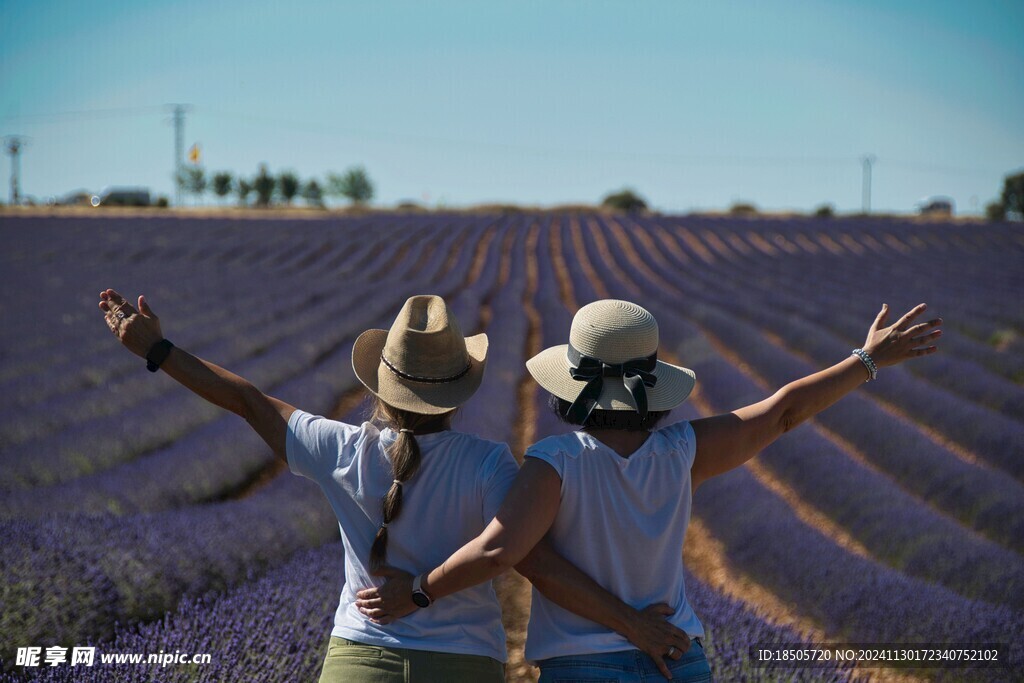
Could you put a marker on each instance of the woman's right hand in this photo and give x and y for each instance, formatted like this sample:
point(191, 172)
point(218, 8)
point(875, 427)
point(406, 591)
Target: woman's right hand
point(137, 330)
point(652, 633)
point(900, 341)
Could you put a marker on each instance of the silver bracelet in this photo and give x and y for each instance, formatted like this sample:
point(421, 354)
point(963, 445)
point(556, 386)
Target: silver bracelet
point(868, 363)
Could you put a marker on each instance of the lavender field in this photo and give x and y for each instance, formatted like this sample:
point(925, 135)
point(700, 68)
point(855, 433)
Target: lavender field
point(137, 518)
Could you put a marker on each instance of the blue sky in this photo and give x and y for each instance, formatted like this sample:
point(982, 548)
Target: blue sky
point(695, 104)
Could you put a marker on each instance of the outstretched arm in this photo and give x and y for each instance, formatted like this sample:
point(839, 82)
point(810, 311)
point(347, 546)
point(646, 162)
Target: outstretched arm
point(139, 330)
point(729, 440)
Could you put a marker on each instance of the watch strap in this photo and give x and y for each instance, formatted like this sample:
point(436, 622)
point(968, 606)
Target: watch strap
point(158, 354)
point(417, 592)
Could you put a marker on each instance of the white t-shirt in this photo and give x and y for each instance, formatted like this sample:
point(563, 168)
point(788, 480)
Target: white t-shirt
point(458, 488)
point(622, 521)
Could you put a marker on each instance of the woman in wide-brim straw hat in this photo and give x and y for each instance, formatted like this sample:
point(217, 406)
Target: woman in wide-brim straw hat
point(614, 497)
point(406, 488)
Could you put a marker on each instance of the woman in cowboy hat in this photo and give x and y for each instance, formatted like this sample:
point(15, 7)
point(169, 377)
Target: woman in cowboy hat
point(407, 494)
point(614, 498)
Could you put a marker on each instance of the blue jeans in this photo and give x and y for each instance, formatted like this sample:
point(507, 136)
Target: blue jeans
point(627, 666)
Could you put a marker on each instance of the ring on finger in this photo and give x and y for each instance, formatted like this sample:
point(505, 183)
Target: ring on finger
point(671, 650)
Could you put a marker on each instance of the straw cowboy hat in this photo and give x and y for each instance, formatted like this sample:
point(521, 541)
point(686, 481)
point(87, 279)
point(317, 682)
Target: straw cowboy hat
point(611, 363)
point(422, 364)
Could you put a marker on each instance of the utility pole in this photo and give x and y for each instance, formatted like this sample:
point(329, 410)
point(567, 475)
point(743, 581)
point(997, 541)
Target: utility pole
point(13, 145)
point(865, 191)
point(178, 119)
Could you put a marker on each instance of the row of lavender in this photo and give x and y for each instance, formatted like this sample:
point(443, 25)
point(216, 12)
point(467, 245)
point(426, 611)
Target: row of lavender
point(503, 315)
point(212, 625)
point(848, 286)
point(868, 598)
point(315, 353)
point(980, 497)
point(138, 566)
point(275, 629)
point(933, 540)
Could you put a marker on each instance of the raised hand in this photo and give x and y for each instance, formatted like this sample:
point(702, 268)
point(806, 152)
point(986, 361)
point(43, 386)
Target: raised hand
point(652, 633)
point(137, 330)
point(901, 340)
point(393, 600)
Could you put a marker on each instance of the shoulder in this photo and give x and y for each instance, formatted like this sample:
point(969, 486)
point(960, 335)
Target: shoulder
point(570, 445)
point(678, 437)
point(304, 424)
point(561, 452)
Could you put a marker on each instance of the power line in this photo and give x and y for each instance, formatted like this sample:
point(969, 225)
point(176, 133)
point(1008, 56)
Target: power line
point(330, 130)
point(57, 117)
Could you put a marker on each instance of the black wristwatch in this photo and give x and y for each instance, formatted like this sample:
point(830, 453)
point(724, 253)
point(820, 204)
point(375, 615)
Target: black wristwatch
point(158, 354)
point(420, 597)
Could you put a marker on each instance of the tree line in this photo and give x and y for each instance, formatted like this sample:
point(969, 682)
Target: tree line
point(265, 189)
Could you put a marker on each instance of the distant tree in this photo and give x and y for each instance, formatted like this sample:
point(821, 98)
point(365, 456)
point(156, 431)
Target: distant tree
point(354, 185)
point(624, 200)
point(1013, 195)
point(222, 184)
point(263, 184)
point(743, 209)
point(312, 193)
point(192, 179)
point(288, 186)
point(243, 188)
point(995, 211)
point(162, 202)
point(825, 211)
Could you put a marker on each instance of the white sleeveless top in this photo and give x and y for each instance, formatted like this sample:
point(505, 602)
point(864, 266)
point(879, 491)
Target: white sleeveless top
point(461, 482)
point(622, 521)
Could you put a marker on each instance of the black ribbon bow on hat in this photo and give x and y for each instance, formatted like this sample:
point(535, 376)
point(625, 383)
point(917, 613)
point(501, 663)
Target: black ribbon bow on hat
point(636, 375)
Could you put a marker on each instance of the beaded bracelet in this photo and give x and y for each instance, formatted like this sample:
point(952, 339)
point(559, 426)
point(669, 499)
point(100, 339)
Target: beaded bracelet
point(868, 363)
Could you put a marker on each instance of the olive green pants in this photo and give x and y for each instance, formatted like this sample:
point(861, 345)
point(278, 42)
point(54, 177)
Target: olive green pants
point(351, 662)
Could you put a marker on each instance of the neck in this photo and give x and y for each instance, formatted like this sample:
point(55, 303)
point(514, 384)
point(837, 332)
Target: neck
point(623, 442)
point(431, 430)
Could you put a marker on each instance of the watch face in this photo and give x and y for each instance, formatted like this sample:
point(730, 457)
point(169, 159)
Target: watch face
point(421, 600)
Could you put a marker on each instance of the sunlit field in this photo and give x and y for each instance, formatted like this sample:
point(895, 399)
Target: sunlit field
point(138, 518)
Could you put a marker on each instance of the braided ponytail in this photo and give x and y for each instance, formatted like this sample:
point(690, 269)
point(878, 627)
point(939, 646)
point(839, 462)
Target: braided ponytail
point(404, 455)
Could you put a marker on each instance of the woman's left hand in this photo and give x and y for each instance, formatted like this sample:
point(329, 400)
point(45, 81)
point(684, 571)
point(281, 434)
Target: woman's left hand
point(393, 600)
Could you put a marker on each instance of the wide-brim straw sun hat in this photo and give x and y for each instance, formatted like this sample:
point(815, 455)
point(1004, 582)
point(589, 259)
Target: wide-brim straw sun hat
point(613, 345)
point(423, 364)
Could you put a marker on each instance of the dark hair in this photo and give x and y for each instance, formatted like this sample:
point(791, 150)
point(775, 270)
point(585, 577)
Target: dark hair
point(404, 455)
point(626, 420)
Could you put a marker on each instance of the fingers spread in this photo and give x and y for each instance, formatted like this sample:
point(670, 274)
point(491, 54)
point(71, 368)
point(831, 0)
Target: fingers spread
point(921, 327)
point(144, 307)
point(910, 315)
point(880, 318)
point(927, 337)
